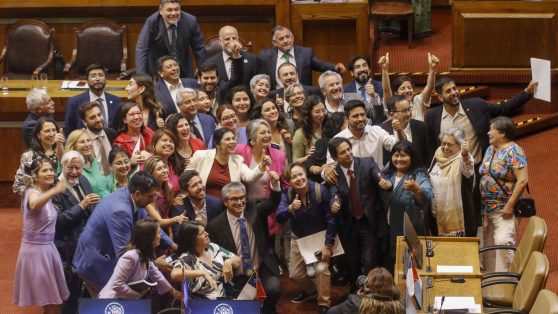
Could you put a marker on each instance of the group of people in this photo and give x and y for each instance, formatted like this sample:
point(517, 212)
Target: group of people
point(214, 178)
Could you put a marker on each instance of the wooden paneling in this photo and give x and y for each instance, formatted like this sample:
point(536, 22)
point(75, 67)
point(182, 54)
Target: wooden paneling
point(503, 34)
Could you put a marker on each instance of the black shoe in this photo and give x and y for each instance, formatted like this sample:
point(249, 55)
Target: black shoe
point(301, 297)
point(323, 309)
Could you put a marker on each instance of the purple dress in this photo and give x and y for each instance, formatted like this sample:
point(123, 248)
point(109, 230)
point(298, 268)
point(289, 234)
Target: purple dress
point(39, 277)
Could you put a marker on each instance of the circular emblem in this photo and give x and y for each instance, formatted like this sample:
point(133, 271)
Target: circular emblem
point(223, 308)
point(114, 308)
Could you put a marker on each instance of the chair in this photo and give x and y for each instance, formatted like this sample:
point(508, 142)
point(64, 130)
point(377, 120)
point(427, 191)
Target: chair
point(98, 41)
point(393, 10)
point(534, 239)
point(526, 289)
point(213, 46)
point(546, 302)
point(29, 49)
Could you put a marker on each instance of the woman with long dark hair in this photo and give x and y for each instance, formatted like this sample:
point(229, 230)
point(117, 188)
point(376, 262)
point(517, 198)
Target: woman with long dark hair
point(133, 136)
point(141, 90)
point(241, 100)
point(186, 144)
point(313, 116)
point(281, 127)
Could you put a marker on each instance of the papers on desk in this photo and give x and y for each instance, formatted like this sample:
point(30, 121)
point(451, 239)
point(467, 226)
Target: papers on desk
point(540, 71)
point(74, 85)
point(454, 269)
point(454, 303)
point(315, 242)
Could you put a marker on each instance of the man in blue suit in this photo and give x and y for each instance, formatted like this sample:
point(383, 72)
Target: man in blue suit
point(362, 74)
point(109, 104)
point(39, 104)
point(284, 51)
point(109, 229)
point(169, 83)
point(202, 124)
point(169, 31)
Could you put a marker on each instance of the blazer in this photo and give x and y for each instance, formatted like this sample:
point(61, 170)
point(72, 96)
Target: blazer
point(351, 88)
point(202, 161)
point(365, 171)
point(111, 135)
point(208, 124)
point(162, 94)
point(420, 139)
point(249, 65)
point(256, 216)
point(278, 161)
point(213, 207)
point(28, 127)
point(72, 120)
point(306, 62)
point(106, 233)
point(71, 220)
point(479, 113)
point(153, 43)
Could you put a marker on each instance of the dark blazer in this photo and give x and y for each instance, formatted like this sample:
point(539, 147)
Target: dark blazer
point(162, 94)
point(28, 127)
point(479, 113)
point(306, 62)
point(308, 90)
point(256, 215)
point(249, 64)
point(153, 43)
point(72, 120)
point(111, 135)
point(420, 139)
point(366, 176)
point(213, 207)
point(71, 220)
point(351, 88)
point(208, 124)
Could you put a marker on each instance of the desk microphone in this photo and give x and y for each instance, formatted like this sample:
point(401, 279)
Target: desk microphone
point(429, 254)
point(442, 304)
point(428, 287)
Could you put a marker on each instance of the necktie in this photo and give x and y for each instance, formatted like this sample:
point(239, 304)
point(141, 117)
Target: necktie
point(78, 192)
point(245, 247)
point(173, 49)
point(229, 67)
point(362, 92)
point(103, 112)
point(357, 208)
point(287, 56)
point(103, 153)
point(196, 130)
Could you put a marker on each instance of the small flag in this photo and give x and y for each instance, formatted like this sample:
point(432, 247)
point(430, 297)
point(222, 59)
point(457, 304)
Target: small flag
point(185, 293)
point(249, 292)
point(259, 287)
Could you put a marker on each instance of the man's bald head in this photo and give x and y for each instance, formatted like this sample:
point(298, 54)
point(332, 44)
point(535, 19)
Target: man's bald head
point(227, 35)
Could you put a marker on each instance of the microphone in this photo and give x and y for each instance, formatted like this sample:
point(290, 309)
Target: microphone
point(441, 304)
point(428, 287)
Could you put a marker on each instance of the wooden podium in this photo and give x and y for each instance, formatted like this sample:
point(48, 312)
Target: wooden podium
point(447, 252)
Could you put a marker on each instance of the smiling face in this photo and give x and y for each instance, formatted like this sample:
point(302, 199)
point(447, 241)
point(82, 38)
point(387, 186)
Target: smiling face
point(495, 137)
point(361, 71)
point(449, 146)
point(298, 180)
point(241, 103)
point(134, 90)
point(183, 130)
point(261, 89)
point(450, 94)
point(403, 113)
point(134, 119)
point(45, 175)
point(318, 114)
point(357, 119)
point(401, 161)
point(227, 144)
point(196, 188)
point(269, 112)
point(96, 79)
point(47, 134)
point(164, 146)
point(47, 106)
point(120, 165)
point(263, 136)
point(235, 202)
point(170, 71)
point(344, 155)
point(288, 75)
point(188, 105)
point(208, 80)
point(204, 103)
point(160, 172)
point(228, 35)
point(72, 170)
point(333, 88)
point(406, 89)
point(297, 98)
point(170, 12)
point(93, 119)
point(84, 146)
point(228, 119)
point(283, 39)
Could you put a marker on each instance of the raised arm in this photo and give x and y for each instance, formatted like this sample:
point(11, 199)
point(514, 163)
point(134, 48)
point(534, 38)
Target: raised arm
point(386, 84)
point(430, 81)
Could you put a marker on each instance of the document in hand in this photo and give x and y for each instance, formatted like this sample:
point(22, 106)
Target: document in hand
point(141, 285)
point(315, 242)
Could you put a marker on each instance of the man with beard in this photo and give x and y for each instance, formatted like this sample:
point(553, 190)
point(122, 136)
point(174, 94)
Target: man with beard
point(109, 104)
point(228, 36)
point(202, 124)
point(361, 72)
point(102, 138)
point(284, 51)
point(331, 85)
point(197, 205)
point(473, 116)
point(39, 104)
point(288, 75)
point(169, 31)
point(74, 207)
point(170, 83)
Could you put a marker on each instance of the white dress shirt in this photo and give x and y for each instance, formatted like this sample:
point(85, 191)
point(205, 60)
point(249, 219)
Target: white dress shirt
point(371, 144)
point(281, 60)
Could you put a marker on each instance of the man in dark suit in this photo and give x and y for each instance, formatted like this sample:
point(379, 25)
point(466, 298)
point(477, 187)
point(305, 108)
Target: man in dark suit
point(227, 36)
point(473, 116)
point(197, 205)
point(288, 75)
point(361, 223)
point(203, 125)
point(169, 31)
point(74, 207)
point(242, 229)
point(284, 51)
point(415, 130)
point(102, 138)
point(362, 74)
point(39, 104)
point(109, 104)
point(169, 83)
point(208, 76)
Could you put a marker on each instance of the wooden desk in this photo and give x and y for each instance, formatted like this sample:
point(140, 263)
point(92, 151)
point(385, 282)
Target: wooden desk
point(13, 112)
point(447, 252)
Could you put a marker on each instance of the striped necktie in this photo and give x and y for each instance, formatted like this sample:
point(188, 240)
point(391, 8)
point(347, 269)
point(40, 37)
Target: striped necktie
point(173, 50)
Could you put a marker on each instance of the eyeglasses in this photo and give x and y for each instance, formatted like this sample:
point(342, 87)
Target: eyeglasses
point(240, 199)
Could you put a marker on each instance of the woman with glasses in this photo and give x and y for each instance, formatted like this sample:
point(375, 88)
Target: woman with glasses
point(120, 168)
point(294, 97)
point(313, 116)
point(133, 136)
point(227, 118)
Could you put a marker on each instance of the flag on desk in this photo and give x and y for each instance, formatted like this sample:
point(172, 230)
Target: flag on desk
point(414, 284)
point(253, 289)
point(185, 293)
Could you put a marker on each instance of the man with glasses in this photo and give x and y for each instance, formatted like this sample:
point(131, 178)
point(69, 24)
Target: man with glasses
point(242, 229)
point(415, 131)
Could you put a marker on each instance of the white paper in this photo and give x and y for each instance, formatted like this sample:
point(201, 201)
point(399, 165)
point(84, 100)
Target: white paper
point(540, 71)
point(454, 269)
point(453, 303)
point(315, 242)
point(74, 85)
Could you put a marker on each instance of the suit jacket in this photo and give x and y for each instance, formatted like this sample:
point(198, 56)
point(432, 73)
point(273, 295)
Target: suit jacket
point(306, 62)
point(308, 90)
point(208, 124)
point(111, 135)
point(28, 127)
point(153, 43)
point(256, 216)
point(213, 207)
point(107, 232)
point(71, 220)
point(351, 88)
point(249, 65)
point(479, 113)
point(72, 120)
point(366, 173)
point(162, 94)
point(420, 139)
